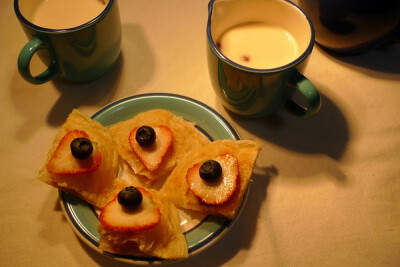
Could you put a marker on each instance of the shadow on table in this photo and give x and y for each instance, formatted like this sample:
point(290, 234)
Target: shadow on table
point(73, 95)
point(327, 133)
point(137, 70)
point(385, 59)
point(55, 229)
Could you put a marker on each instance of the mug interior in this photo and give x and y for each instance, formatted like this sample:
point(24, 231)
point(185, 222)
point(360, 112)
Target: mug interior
point(25, 11)
point(229, 13)
point(27, 8)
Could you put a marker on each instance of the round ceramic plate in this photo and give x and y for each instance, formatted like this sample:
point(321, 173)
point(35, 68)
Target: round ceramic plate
point(200, 234)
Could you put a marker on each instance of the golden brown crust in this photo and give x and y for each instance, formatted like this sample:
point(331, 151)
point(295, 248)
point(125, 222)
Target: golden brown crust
point(176, 188)
point(165, 240)
point(186, 138)
point(93, 187)
point(190, 146)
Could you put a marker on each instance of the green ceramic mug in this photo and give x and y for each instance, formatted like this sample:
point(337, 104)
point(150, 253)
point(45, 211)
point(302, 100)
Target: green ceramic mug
point(256, 77)
point(79, 53)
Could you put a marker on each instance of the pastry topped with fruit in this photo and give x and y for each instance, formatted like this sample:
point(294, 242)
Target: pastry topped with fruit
point(139, 222)
point(154, 141)
point(82, 160)
point(151, 144)
point(208, 177)
point(213, 179)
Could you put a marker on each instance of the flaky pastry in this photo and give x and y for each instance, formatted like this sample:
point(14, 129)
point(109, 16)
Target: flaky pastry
point(186, 138)
point(91, 183)
point(176, 187)
point(164, 240)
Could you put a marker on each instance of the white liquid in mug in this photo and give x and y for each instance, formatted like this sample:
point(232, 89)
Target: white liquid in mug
point(64, 14)
point(259, 45)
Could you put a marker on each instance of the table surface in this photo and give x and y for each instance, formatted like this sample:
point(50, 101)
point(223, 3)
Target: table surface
point(325, 191)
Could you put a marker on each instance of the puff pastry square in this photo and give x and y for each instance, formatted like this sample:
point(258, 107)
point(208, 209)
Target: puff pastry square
point(93, 187)
point(165, 240)
point(186, 138)
point(176, 188)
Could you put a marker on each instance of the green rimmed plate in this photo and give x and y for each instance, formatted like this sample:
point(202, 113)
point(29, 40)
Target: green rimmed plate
point(200, 233)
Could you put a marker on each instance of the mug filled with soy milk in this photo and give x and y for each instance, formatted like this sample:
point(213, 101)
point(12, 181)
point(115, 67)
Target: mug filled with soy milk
point(257, 50)
point(78, 40)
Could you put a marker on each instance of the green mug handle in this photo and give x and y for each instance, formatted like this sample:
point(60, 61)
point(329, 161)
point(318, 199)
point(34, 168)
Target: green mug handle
point(311, 95)
point(24, 60)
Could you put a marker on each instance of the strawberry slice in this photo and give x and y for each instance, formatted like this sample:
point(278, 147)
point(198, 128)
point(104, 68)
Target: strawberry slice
point(115, 217)
point(64, 163)
point(151, 156)
point(219, 191)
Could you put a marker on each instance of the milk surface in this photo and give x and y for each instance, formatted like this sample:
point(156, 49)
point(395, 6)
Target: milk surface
point(259, 45)
point(63, 14)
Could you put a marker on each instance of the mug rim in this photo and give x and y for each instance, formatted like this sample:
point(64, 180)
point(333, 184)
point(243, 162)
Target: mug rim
point(35, 27)
point(295, 62)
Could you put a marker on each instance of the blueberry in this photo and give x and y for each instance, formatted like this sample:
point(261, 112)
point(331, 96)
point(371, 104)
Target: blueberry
point(81, 148)
point(145, 136)
point(210, 170)
point(130, 198)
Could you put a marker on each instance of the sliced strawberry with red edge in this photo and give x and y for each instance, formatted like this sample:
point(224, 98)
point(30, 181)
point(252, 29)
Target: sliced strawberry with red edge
point(64, 163)
point(115, 217)
point(219, 191)
point(151, 156)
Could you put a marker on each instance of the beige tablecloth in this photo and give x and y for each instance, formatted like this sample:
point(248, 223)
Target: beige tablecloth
point(325, 192)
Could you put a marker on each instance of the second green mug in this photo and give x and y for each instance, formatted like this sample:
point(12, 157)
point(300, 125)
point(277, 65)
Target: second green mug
point(254, 91)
